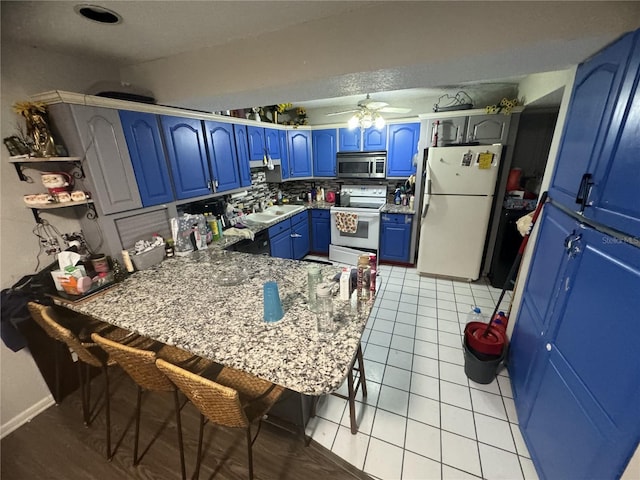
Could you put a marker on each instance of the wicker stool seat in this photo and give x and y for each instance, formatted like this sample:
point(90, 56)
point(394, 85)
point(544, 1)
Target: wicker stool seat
point(140, 365)
point(55, 322)
point(235, 399)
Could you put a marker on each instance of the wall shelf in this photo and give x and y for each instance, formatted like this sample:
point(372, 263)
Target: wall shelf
point(91, 209)
point(20, 160)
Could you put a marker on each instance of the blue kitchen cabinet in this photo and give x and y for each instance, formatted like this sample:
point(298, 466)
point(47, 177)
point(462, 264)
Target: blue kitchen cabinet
point(403, 146)
point(320, 230)
point(300, 241)
point(272, 142)
point(242, 150)
point(324, 152)
point(256, 142)
point(350, 140)
point(284, 154)
point(595, 94)
point(184, 140)
point(221, 145)
point(374, 139)
point(280, 245)
point(395, 237)
point(149, 162)
point(299, 153)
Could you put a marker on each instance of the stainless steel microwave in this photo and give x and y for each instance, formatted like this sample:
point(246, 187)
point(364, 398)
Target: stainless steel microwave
point(362, 165)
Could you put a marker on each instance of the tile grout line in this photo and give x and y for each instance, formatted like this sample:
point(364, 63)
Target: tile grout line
point(439, 392)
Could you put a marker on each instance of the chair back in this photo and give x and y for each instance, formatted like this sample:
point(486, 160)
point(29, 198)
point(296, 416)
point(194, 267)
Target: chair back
point(47, 318)
point(220, 404)
point(139, 364)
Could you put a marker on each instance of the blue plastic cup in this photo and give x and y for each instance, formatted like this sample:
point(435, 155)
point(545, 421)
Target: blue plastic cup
point(272, 304)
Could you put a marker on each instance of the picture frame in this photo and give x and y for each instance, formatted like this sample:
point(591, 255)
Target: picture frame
point(16, 146)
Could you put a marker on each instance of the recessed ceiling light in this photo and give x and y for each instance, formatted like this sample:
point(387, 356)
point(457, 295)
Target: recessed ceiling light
point(98, 14)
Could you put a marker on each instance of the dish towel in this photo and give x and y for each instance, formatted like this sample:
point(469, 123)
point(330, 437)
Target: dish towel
point(347, 222)
point(239, 232)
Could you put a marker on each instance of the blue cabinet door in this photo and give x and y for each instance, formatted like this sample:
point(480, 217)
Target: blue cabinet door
point(403, 146)
point(300, 244)
point(324, 152)
point(350, 140)
point(299, 153)
point(257, 143)
point(588, 402)
point(242, 149)
point(375, 139)
point(221, 144)
point(395, 237)
point(595, 93)
point(187, 156)
point(320, 231)
point(147, 157)
point(280, 245)
point(615, 198)
point(284, 154)
point(272, 142)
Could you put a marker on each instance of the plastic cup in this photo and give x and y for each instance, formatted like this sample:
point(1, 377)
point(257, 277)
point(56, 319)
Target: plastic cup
point(272, 304)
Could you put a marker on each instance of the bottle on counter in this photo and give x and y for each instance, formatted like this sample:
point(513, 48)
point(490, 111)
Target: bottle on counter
point(324, 309)
point(314, 278)
point(397, 199)
point(321, 195)
point(363, 283)
point(220, 227)
point(373, 267)
point(169, 249)
point(411, 202)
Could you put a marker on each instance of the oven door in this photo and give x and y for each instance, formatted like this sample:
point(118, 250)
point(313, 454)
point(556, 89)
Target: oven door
point(368, 230)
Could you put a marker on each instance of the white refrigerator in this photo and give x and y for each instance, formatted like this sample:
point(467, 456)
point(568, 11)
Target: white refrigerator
point(456, 206)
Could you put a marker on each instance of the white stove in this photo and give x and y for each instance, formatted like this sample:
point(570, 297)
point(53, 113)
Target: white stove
point(364, 202)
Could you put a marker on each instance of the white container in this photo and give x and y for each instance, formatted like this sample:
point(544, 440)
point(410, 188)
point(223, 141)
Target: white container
point(345, 283)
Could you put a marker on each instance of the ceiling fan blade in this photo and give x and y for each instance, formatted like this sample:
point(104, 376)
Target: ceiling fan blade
point(374, 105)
point(394, 110)
point(342, 112)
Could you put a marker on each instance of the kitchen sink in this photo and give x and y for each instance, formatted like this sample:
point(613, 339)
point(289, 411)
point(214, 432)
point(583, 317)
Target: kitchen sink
point(271, 214)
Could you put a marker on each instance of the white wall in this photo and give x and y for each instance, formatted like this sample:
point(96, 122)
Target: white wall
point(26, 71)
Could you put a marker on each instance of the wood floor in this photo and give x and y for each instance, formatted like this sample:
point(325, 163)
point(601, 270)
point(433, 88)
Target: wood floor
point(56, 444)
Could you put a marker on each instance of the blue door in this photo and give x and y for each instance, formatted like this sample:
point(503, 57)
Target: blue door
point(300, 236)
point(221, 143)
point(242, 149)
point(147, 156)
point(299, 153)
point(320, 231)
point(595, 92)
point(257, 144)
point(350, 140)
point(284, 154)
point(615, 198)
point(187, 155)
point(272, 142)
point(375, 139)
point(280, 245)
point(395, 237)
point(324, 152)
point(403, 146)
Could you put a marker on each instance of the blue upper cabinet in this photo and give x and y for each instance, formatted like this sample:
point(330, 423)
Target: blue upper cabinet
point(257, 143)
point(242, 149)
point(221, 144)
point(350, 140)
point(595, 94)
point(299, 153)
point(147, 156)
point(284, 154)
point(272, 142)
point(375, 139)
point(187, 154)
point(324, 152)
point(403, 146)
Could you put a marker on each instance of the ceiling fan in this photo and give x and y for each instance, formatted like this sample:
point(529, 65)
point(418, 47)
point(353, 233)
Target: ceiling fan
point(369, 105)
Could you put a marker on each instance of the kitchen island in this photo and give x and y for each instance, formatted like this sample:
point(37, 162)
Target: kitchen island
point(187, 302)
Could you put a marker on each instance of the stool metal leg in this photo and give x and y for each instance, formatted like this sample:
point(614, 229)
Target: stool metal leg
point(137, 431)
point(176, 400)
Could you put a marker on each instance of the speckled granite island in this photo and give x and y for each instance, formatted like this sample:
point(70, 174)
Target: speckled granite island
point(183, 302)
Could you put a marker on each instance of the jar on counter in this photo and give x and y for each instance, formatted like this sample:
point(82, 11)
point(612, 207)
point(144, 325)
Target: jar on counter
point(324, 309)
point(314, 278)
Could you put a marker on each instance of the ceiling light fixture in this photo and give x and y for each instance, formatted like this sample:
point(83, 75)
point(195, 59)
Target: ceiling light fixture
point(98, 14)
point(366, 118)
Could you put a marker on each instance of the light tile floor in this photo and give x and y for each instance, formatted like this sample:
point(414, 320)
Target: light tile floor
point(423, 418)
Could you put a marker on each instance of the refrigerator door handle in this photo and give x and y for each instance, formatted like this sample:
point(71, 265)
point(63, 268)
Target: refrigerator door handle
point(427, 197)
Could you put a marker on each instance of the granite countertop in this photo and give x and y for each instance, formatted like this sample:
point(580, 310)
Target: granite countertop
point(182, 302)
point(393, 208)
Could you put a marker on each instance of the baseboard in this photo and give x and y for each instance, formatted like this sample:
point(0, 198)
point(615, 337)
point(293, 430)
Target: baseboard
point(26, 416)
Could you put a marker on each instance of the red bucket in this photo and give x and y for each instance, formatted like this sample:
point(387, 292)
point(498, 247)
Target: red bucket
point(490, 344)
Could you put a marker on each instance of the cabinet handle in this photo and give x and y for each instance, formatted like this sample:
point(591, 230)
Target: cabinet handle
point(548, 347)
point(583, 191)
point(216, 183)
point(295, 235)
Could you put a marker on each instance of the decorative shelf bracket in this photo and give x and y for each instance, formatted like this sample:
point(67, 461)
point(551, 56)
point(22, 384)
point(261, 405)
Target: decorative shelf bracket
point(91, 210)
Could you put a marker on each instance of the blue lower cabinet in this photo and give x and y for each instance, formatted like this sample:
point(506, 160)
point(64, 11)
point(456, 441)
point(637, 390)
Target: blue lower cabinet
point(395, 237)
point(300, 235)
point(320, 231)
point(280, 245)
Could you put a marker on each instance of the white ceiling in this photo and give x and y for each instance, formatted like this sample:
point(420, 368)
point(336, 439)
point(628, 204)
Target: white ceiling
point(153, 32)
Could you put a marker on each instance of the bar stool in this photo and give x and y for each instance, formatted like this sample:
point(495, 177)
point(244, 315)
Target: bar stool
point(89, 355)
point(235, 399)
point(140, 365)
